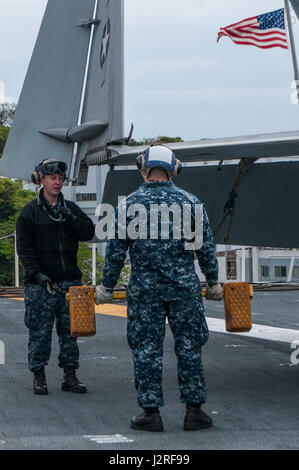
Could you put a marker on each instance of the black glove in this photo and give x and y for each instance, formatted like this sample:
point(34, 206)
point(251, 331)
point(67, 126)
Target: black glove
point(69, 217)
point(43, 279)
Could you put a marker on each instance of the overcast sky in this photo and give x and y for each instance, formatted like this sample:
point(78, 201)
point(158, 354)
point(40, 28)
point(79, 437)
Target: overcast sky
point(178, 80)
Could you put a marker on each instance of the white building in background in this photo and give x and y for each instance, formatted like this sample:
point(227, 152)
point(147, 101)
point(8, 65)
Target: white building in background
point(257, 264)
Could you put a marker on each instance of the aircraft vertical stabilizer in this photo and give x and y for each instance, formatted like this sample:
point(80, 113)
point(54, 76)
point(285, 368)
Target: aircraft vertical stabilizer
point(51, 94)
point(104, 90)
point(295, 5)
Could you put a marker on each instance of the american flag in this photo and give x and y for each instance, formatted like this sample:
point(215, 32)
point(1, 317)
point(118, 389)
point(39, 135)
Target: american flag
point(265, 31)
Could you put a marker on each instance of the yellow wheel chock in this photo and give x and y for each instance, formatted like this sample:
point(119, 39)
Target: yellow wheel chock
point(237, 310)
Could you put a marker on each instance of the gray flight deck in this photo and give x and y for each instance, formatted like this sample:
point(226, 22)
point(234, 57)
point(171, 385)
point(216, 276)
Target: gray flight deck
point(253, 388)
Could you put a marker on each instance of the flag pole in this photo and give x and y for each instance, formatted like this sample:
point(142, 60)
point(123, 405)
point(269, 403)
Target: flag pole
point(292, 44)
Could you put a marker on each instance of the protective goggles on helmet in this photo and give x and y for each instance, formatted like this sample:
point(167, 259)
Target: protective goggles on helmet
point(50, 168)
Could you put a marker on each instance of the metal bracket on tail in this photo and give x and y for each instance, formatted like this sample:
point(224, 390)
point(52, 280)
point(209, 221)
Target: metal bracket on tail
point(123, 140)
point(88, 23)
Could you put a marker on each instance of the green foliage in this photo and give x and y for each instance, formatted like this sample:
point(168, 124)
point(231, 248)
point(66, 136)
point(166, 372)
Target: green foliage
point(161, 139)
point(12, 199)
point(7, 199)
point(7, 112)
point(84, 263)
point(3, 137)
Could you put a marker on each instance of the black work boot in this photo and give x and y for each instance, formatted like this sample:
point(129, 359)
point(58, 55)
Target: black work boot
point(148, 420)
point(195, 418)
point(39, 383)
point(71, 383)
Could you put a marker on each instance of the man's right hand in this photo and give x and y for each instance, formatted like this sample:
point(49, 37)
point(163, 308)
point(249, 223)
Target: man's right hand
point(214, 292)
point(43, 279)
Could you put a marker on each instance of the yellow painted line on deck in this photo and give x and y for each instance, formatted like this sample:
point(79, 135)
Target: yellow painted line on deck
point(103, 309)
point(111, 309)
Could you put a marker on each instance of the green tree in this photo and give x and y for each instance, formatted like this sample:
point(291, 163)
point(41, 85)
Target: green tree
point(85, 265)
point(161, 139)
point(12, 199)
point(7, 113)
point(3, 137)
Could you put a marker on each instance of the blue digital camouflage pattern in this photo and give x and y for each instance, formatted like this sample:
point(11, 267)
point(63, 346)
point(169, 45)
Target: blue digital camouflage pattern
point(41, 311)
point(160, 267)
point(163, 283)
point(146, 331)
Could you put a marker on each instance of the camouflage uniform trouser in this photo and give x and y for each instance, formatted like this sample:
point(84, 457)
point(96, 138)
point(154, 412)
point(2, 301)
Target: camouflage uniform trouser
point(41, 310)
point(146, 332)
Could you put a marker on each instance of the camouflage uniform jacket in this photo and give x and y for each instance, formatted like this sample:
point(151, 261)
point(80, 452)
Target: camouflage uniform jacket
point(161, 268)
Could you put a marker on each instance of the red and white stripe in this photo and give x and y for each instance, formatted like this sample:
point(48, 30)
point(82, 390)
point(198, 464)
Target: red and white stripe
point(248, 32)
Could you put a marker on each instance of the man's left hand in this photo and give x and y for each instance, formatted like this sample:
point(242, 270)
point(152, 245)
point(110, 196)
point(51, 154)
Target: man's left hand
point(103, 295)
point(68, 215)
point(214, 292)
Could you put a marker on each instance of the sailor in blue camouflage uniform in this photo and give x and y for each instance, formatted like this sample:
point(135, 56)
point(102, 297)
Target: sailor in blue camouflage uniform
point(48, 230)
point(163, 284)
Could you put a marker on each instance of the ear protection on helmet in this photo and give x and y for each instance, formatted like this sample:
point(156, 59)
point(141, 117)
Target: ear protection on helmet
point(140, 162)
point(35, 177)
point(178, 167)
point(158, 156)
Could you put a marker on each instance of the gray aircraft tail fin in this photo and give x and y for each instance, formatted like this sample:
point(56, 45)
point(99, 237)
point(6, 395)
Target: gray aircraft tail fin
point(104, 90)
point(63, 102)
point(295, 5)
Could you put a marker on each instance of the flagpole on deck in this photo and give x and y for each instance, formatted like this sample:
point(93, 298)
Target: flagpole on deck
point(292, 44)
